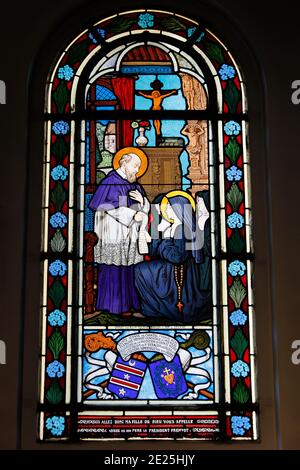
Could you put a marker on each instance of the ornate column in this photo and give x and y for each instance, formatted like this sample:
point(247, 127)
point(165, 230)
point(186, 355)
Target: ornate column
point(197, 148)
point(193, 92)
point(196, 131)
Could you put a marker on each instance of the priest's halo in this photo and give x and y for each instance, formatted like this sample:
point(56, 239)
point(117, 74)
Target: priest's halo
point(143, 157)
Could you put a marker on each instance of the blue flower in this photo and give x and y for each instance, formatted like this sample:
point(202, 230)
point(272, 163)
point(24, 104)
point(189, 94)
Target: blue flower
point(56, 318)
point(56, 425)
point(58, 220)
point(101, 32)
point(226, 72)
point(59, 172)
point(65, 73)
point(237, 268)
point(55, 369)
point(232, 128)
point(240, 369)
point(200, 37)
point(146, 20)
point(191, 31)
point(94, 41)
point(234, 173)
point(239, 424)
point(60, 127)
point(57, 268)
point(235, 220)
point(238, 318)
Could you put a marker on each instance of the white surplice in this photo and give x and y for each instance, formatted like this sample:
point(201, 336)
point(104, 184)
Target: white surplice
point(118, 234)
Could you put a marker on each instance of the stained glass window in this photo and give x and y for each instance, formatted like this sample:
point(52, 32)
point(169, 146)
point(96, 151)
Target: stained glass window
point(147, 304)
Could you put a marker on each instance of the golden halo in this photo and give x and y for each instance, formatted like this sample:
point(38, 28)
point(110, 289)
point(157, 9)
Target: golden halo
point(170, 195)
point(142, 156)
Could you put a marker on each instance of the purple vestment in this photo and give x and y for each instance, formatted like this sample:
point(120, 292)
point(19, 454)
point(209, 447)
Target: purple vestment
point(116, 286)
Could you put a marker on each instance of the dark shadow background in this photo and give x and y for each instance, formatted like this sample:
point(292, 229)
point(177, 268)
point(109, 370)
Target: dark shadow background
point(264, 39)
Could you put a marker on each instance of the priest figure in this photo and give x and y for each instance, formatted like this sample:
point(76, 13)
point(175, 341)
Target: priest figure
point(121, 216)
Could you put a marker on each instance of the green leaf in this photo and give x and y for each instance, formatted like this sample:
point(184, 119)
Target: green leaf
point(241, 393)
point(56, 344)
point(78, 52)
point(100, 175)
point(58, 196)
point(234, 197)
point(58, 242)
point(231, 95)
point(59, 148)
point(237, 292)
point(54, 394)
point(121, 24)
point(232, 150)
point(56, 293)
point(106, 159)
point(239, 343)
point(236, 244)
point(60, 96)
point(171, 24)
point(214, 52)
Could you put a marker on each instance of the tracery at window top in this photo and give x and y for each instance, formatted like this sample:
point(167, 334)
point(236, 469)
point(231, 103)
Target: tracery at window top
point(147, 248)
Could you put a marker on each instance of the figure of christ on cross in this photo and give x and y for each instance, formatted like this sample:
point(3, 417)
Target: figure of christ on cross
point(157, 96)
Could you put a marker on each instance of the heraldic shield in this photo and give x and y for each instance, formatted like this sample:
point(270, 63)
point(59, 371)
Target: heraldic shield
point(126, 378)
point(168, 378)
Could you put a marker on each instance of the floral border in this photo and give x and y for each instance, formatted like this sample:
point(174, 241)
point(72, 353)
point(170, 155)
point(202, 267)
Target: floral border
point(58, 253)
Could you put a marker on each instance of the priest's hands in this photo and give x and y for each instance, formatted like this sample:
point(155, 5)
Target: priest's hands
point(140, 217)
point(148, 237)
point(136, 196)
point(144, 237)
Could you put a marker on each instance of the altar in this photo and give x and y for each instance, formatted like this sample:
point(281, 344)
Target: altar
point(164, 172)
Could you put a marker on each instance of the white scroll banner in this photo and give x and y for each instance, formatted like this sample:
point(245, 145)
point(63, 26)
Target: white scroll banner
point(148, 342)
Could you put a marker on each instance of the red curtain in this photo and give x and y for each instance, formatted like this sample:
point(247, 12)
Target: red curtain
point(123, 88)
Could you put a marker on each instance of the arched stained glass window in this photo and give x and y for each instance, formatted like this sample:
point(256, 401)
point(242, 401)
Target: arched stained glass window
point(147, 306)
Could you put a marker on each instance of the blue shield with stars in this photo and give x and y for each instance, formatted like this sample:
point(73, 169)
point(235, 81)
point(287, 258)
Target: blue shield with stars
point(168, 378)
point(126, 378)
